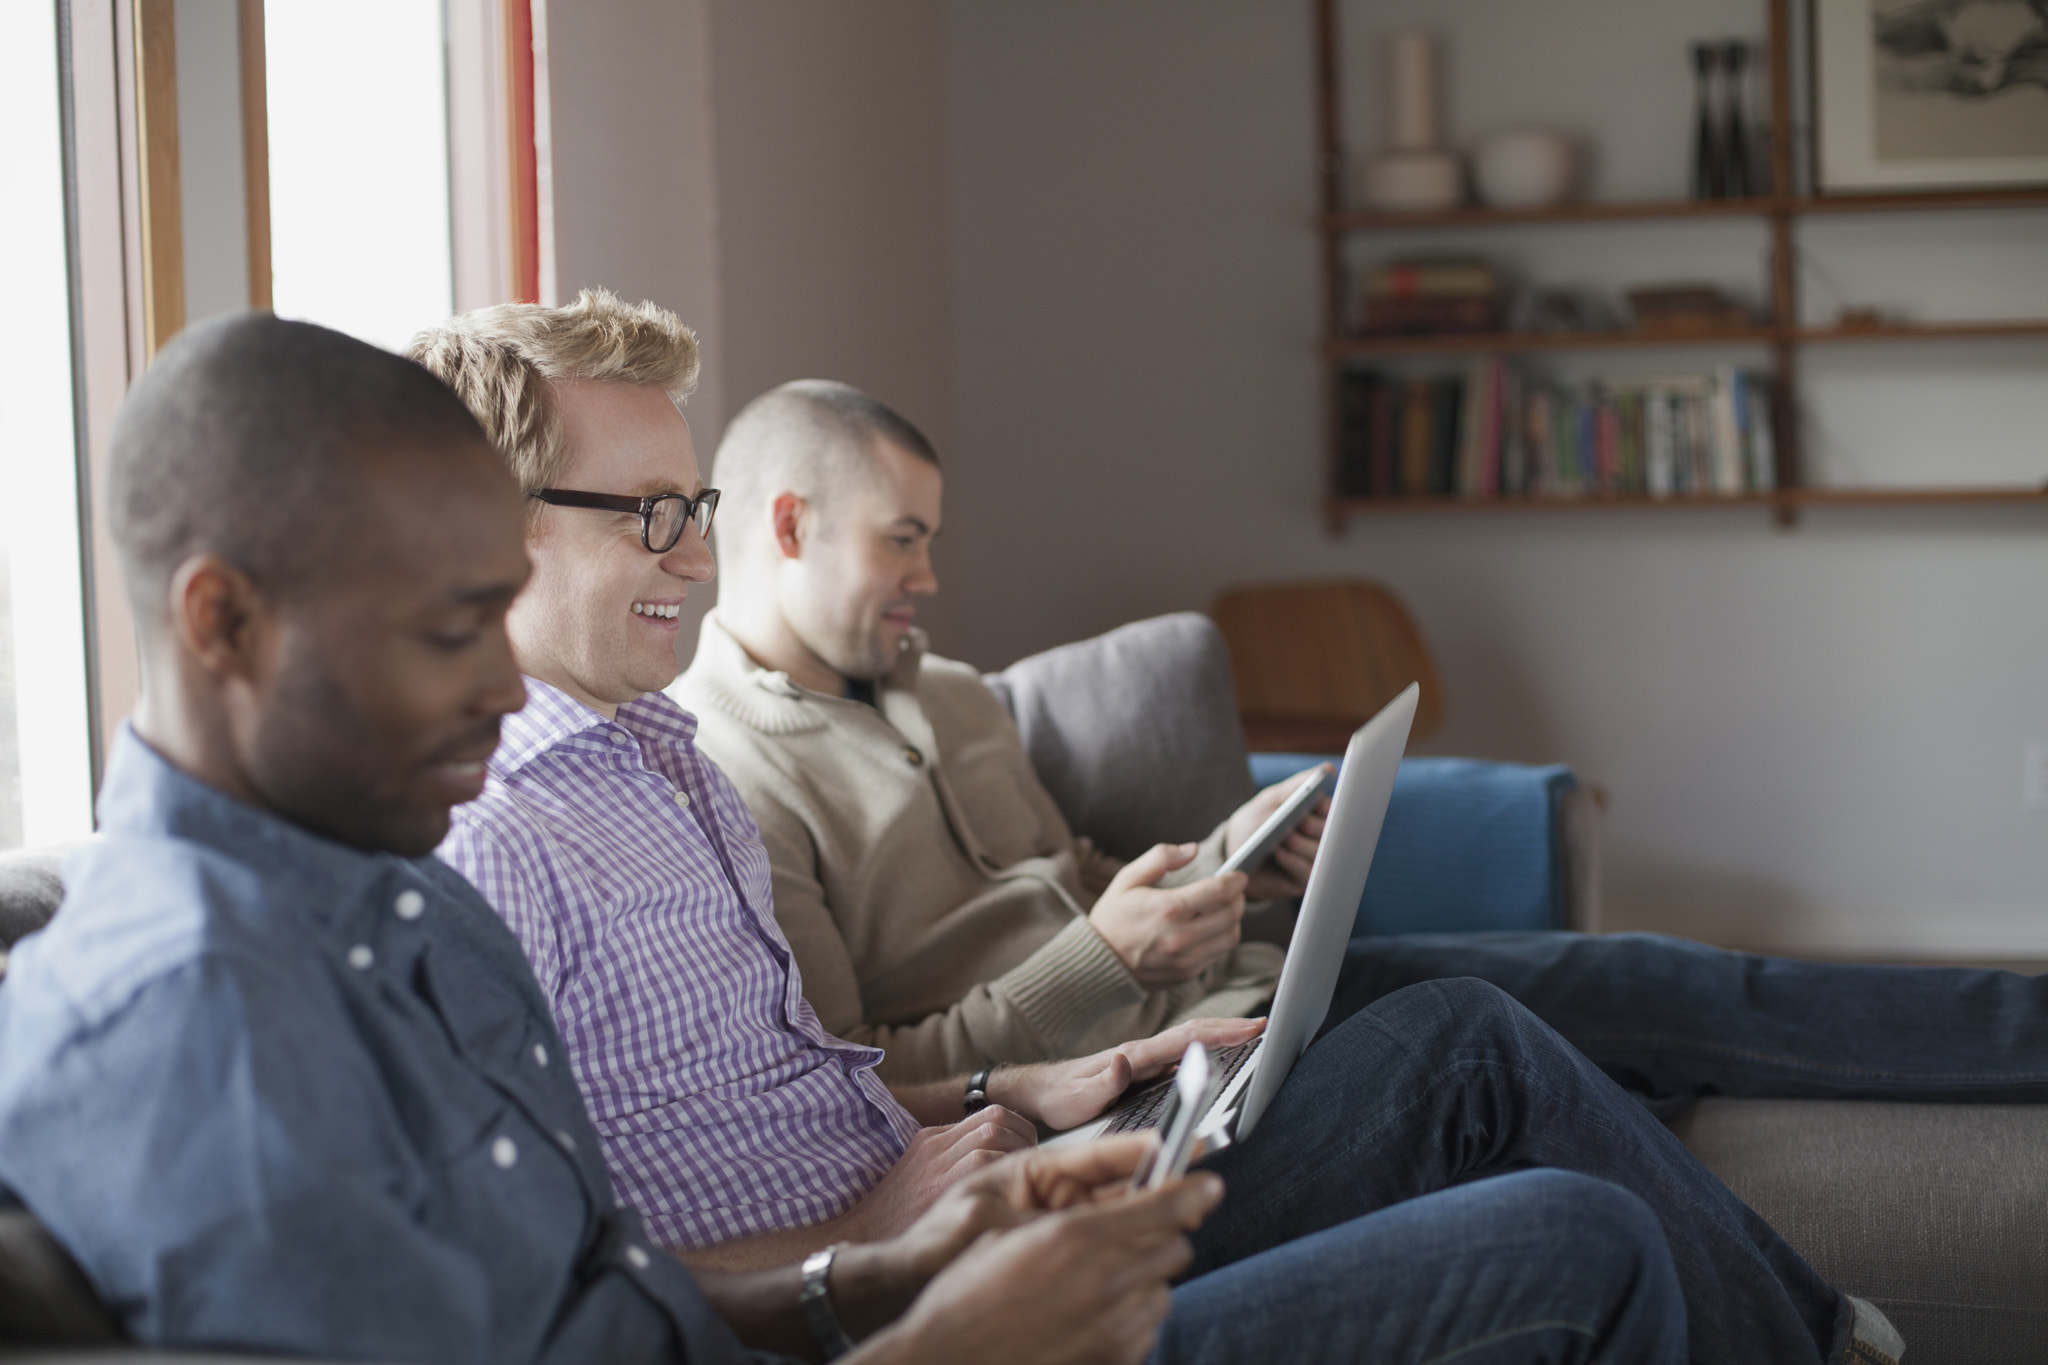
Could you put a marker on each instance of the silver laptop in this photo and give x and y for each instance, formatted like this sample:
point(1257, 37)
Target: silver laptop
point(1248, 1075)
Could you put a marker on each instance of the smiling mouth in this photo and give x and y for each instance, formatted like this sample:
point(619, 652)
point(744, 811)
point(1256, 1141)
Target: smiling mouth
point(661, 611)
point(461, 780)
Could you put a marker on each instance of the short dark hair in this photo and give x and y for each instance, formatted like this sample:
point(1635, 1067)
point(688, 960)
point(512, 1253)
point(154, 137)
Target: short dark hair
point(811, 436)
point(244, 439)
point(862, 415)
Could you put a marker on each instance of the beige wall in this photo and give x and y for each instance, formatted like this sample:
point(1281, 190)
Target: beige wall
point(630, 157)
point(832, 219)
point(1812, 739)
point(772, 170)
point(832, 215)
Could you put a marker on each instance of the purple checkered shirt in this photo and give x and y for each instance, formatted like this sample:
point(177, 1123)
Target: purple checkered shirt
point(635, 879)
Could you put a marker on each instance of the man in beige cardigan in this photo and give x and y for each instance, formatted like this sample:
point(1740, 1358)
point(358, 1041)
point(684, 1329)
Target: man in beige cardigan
point(937, 903)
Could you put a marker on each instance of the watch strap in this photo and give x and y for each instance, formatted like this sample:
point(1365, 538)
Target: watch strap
point(976, 1098)
point(815, 1299)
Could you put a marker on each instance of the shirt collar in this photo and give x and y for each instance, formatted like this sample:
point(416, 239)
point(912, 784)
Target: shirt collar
point(146, 796)
point(724, 676)
point(552, 718)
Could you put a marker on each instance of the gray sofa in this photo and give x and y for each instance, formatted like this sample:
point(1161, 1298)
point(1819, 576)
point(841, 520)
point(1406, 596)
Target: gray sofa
point(1939, 1214)
point(1936, 1213)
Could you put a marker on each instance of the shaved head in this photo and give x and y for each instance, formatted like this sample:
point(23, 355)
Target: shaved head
point(247, 438)
point(832, 501)
point(811, 437)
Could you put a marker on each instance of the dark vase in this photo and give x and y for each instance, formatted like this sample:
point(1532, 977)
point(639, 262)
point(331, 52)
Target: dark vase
point(1708, 168)
point(1737, 179)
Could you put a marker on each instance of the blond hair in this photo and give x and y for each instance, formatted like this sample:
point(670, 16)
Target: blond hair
point(503, 362)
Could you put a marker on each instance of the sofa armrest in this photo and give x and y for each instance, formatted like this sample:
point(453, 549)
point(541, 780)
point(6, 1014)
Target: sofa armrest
point(1473, 846)
point(31, 889)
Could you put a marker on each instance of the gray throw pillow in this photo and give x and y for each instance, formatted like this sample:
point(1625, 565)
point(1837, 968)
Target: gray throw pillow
point(1135, 733)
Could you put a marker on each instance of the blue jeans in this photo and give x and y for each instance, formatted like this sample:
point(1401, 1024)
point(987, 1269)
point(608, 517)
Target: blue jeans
point(1675, 1021)
point(1446, 1082)
point(1536, 1266)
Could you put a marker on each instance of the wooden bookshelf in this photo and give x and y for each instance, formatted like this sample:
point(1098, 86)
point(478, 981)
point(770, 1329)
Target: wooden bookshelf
point(1926, 199)
point(1499, 343)
point(1592, 212)
point(1490, 343)
point(1780, 331)
point(1637, 210)
point(1339, 508)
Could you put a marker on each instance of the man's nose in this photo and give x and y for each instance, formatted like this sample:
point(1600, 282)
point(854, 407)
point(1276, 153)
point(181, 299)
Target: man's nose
point(690, 558)
point(923, 580)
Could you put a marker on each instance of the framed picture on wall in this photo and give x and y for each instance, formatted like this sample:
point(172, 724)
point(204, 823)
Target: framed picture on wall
point(1930, 94)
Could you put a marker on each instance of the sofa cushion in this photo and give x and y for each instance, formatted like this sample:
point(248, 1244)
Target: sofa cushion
point(1937, 1213)
point(1105, 720)
point(45, 1298)
point(1468, 846)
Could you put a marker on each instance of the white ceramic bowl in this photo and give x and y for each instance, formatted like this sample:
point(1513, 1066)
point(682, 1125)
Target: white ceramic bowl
point(1523, 168)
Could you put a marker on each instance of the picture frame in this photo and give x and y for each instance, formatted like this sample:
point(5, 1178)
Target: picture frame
point(1929, 94)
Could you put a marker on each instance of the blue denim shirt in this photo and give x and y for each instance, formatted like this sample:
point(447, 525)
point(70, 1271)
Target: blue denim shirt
point(274, 1093)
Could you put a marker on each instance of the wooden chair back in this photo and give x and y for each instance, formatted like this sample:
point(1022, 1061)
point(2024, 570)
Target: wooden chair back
point(1314, 661)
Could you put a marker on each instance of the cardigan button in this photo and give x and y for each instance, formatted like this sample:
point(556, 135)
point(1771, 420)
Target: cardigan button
point(912, 756)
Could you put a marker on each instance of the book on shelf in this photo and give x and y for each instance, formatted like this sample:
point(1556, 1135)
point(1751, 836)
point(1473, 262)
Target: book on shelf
point(1450, 277)
point(1428, 317)
point(1695, 309)
point(1429, 295)
point(1418, 408)
point(1492, 431)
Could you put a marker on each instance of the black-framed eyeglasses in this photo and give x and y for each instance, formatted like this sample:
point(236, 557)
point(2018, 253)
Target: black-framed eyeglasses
point(662, 515)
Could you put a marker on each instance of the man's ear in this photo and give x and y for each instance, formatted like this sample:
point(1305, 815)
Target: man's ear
point(216, 613)
point(789, 519)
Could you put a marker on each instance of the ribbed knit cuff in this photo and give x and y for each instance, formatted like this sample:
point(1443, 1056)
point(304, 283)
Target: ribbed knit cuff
point(1064, 987)
point(1208, 858)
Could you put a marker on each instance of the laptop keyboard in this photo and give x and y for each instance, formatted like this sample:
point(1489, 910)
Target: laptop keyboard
point(1144, 1109)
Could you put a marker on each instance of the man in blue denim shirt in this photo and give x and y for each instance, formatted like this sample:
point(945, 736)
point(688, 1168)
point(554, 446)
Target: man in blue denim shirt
point(280, 1081)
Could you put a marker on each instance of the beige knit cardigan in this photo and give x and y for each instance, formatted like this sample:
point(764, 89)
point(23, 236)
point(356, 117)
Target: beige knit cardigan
point(933, 895)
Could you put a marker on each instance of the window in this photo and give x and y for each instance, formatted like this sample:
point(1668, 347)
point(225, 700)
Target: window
point(45, 748)
point(358, 108)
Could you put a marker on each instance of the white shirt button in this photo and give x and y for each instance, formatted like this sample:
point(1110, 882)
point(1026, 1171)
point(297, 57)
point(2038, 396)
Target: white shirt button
point(410, 905)
point(540, 1054)
point(682, 798)
point(505, 1152)
point(637, 1258)
point(568, 1143)
point(619, 737)
point(360, 957)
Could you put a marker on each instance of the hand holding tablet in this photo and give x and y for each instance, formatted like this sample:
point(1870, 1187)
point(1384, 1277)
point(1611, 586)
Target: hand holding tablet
point(1268, 836)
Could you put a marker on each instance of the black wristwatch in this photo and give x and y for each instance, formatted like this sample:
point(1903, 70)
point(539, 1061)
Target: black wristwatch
point(977, 1090)
point(815, 1299)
